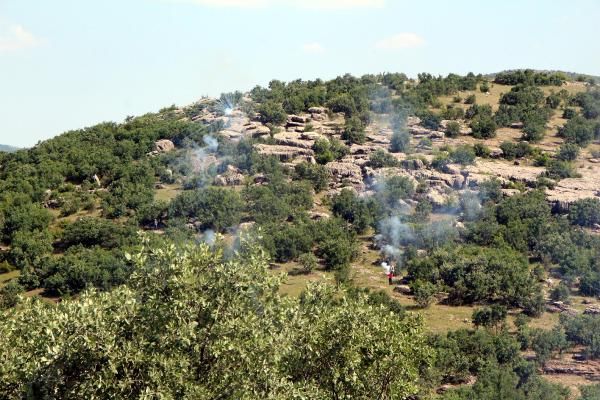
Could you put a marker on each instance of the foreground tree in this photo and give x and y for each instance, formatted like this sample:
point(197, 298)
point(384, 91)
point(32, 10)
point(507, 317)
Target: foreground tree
point(191, 325)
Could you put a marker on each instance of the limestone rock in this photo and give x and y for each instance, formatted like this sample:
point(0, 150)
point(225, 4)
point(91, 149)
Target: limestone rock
point(163, 146)
point(232, 177)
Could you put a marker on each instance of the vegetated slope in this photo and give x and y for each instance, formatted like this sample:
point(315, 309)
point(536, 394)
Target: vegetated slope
point(482, 195)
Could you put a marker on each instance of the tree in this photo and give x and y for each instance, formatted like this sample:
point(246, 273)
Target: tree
point(560, 293)
point(308, 262)
point(329, 150)
point(585, 212)
point(424, 293)
point(272, 112)
point(577, 130)
point(29, 248)
point(9, 295)
point(316, 174)
point(215, 208)
point(490, 317)
point(483, 127)
point(191, 325)
point(545, 343)
point(354, 131)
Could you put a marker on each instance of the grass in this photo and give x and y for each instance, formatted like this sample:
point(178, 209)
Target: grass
point(4, 278)
point(167, 193)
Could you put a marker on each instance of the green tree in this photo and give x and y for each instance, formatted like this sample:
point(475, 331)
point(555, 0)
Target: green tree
point(193, 326)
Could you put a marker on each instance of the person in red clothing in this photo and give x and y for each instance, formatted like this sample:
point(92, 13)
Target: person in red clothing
point(390, 276)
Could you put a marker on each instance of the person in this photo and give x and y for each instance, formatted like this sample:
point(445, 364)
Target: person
point(390, 277)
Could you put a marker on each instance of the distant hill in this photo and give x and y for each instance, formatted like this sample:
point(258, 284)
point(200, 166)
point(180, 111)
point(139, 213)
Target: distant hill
point(570, 75)
point(7, 148)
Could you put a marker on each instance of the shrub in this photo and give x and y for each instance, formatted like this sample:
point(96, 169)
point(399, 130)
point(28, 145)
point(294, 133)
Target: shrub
point(463, 155)
point(424, 293)
point(354, 131)
point(400, 142)
point(316, 174)
point(308, 262)
point(484, 87)
point(483, 127)
point(560, 293)
point(430, 120)
point(568, 152)
point(214, 208)
point(569, 113)
point(381, 158)
point(272, 112)
point(452, 129)
point(558, 169)
point(577, 130)
point(471, 99)
point(482, 150)
point(490, 316)
point(329, 150)
point(585, 212)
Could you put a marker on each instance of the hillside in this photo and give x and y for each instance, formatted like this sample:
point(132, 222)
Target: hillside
point(275, 217)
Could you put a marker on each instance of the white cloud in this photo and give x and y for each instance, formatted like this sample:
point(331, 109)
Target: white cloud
point(15, 37)
point(406, 40)
point(313, 48)
point(310, 4)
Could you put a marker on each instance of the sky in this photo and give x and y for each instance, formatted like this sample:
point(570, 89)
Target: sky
point(68, 64)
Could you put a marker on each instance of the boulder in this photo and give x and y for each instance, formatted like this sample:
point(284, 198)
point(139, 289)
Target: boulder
point(403, 289)
point(317, 110)
point(283, 153)
point(232, 177)
point(163, 146)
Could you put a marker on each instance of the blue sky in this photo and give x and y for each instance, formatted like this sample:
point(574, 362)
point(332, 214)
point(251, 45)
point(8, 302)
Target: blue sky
point(66, 64)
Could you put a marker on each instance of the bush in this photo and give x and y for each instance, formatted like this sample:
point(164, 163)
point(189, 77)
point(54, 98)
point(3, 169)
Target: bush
point(452, 129)
point(483, 127)
point(482, 150)
point(316, 174)
point(361, 213)
point(463, 155)
point(381, 158)
point(272, 112)
point(308, 262)
point(214, 208)
point(558, 169)
point(585, 212)
point(490, 317)
point(471, 99)
point(510, 151)
point(560, 293)
point(578, 130)
point(430, 120)
point(400, 142)
point(569, 113)
point(568, 152)
point(354, 131)
point(329, 150)
point(9, 295)
point(424, 293)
